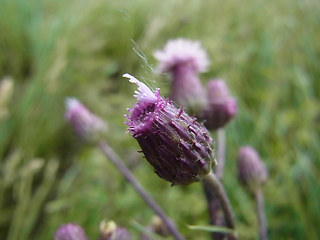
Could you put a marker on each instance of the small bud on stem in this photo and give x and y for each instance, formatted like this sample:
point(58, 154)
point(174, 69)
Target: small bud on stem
point(85, 124)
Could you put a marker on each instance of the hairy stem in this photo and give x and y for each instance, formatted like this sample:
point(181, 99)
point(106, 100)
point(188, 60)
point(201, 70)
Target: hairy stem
point(262, 220)
point(113, 157)
point(219, 192)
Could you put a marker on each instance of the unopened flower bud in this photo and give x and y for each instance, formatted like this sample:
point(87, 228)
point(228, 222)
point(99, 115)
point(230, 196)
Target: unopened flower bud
point(175, 144)
point(110, 231)
point(217, 90)
point(252, 172)
point(221, 108)
point(70, 231)
point(184, 59)
point(85, 124)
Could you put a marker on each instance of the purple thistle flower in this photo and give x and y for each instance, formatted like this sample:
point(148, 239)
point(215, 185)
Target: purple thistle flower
point(251, 171)
point(221, 108)
point(184, 59)
point(175, 144)
point(85, 124)
point(70, 231)
point(110, 231)
point(182, 51)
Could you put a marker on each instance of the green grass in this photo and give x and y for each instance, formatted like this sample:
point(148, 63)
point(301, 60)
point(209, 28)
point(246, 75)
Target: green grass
point(268, 52)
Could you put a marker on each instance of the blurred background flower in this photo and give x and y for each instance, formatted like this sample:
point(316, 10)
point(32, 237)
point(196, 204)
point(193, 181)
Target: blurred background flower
point(70, 231)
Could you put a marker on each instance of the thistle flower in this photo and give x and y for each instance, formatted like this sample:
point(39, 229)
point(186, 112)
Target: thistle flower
point(70, 231)
point(221, 108)
point(182, 51)
point(110, 231)
point(184, 59)
point(85, 124)
point(175, 144)
point(251, 171)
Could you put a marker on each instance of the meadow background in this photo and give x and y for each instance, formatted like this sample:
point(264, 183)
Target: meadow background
point(267, 51)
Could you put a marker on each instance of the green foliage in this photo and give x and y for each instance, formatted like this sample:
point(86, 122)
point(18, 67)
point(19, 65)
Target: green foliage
point(269, 53)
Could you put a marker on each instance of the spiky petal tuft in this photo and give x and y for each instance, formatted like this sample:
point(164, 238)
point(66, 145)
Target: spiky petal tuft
point(182, 51)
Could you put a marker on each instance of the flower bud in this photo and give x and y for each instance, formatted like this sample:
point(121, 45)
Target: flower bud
point(110, 231)
point(217, 90)
point(70, 231)
point(251, 171)
point(221, 108)
point(85, 124)
point(175, 144)
point(184, 59)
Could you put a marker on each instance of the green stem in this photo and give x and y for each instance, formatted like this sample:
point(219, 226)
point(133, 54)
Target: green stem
point(262, 220)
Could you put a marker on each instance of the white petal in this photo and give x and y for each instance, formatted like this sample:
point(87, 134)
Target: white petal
point(144, 93)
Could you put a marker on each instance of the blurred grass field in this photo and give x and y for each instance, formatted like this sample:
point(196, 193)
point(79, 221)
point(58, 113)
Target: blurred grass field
point(267, 51)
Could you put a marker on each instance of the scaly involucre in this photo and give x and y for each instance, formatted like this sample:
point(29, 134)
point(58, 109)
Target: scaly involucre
point(175, 144)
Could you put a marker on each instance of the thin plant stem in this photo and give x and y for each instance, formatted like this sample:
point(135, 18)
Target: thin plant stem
point(215, 213)
point(212, 180)
point(221, 152)
point(213, 202)
point(113, 157)
point(262, 220)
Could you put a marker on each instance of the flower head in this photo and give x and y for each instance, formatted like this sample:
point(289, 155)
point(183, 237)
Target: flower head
point(85, 124)
point(175, 144)
point(221, 107)
point(184, 59)
point(182, 51)
point(251, 171)
point(70, 231)
point(110, 231)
